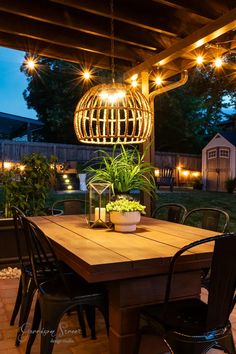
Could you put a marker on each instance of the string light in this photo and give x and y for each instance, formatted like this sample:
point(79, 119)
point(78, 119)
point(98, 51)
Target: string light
point(158, 80)
point(218, 62)
point(86, 75)
point(30, 63)
point(199, 60)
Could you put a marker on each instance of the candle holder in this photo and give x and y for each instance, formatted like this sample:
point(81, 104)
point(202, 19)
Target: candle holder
point(99, 196)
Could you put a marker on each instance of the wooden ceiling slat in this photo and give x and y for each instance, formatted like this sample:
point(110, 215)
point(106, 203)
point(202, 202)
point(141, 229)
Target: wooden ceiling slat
point(139, 15)
point(68, 38)
point(43, 48)
point(81, 21)
point(209, 10)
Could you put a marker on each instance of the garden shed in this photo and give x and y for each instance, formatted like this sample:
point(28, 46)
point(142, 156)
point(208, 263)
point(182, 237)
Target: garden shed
point(219, 161)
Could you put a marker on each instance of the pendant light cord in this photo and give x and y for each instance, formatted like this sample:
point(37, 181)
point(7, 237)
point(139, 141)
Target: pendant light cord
point(112, 43)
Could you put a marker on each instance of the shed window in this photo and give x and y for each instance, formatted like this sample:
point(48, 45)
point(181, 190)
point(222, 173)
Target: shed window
point(212, 154)
point(224, 153)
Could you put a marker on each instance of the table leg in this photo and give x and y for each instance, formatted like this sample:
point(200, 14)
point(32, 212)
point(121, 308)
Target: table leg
point(127, 296)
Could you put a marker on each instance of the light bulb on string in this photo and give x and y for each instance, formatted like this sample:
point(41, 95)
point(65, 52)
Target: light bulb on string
point(30, 63)
point(86, 75)
point(158, 80)
point(199, 60)
point(218, 62)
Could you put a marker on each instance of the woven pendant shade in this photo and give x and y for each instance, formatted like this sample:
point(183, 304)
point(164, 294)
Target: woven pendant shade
point(113, 113)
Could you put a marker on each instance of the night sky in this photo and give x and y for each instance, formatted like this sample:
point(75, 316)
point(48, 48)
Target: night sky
point(13, 83)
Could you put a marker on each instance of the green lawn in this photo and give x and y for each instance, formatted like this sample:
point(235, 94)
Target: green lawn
point(195, 199)
point(190, 199)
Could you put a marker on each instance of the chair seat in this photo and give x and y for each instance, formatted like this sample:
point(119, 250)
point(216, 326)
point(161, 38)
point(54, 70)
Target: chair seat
point(76, 288)
point(185, 316)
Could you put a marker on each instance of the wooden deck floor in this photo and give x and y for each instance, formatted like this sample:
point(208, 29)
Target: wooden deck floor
point(69, 340)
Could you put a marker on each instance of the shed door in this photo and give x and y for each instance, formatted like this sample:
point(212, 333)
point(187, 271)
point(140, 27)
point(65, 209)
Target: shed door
point(218, 168)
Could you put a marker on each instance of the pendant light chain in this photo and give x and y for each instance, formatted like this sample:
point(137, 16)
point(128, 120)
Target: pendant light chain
point(112, 42)
point(113, 113)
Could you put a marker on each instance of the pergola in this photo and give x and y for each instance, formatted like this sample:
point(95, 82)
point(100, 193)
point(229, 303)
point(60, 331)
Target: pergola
point(148, 34)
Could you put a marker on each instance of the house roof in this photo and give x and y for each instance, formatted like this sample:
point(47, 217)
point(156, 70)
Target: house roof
point(147, 33)
point(12, 126)
point(230, 136)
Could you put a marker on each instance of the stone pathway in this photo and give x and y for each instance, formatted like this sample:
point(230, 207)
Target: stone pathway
point(69, 340)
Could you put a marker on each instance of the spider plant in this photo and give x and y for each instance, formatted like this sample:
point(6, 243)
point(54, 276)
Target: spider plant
point(125, 170)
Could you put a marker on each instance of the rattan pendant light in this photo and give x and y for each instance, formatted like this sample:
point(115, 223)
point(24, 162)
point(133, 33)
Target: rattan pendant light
point(113, 113)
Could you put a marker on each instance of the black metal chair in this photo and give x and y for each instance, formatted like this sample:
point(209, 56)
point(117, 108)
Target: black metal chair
point(69, 206)
point(210, 219)
point(165, 178)
point(171, 212)
point(61, 293)
point(27, 286)
point(207, 218)
point(191, 325)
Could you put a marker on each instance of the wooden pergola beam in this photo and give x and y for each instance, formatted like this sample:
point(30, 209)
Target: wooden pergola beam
point(202, 36)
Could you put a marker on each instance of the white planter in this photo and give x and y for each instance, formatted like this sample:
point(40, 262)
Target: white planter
point(82, 181)
point(125, 222)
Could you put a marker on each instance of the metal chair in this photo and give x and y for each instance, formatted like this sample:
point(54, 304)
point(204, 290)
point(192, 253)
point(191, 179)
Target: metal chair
point(191, 325)
point(61, 293)
point(69, 206)
point(165, 178)
point(27, 286)
point(210, 219)
point(171, 212)
point(207, 218)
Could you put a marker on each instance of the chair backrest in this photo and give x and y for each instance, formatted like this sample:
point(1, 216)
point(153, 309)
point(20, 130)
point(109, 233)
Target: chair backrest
point(207, 218)
point(171, 212)
point(166, 172)
point(43, 259)
point(69, 206)
point(166, 176)
point(20, 237)
point(222, 286)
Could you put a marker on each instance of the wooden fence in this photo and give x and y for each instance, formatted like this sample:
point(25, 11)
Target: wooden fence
point(14, 151)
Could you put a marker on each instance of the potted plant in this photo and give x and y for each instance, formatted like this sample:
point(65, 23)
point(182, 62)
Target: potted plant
point(125, 170)
point(125, 214)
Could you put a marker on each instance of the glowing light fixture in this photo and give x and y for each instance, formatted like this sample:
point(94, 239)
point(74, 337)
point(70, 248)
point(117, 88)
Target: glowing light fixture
point(86, 75)
point(134, 83)
point(158, 80)
point(113, 113)
point(7, 165)
point(218, 62)
point(199, 60)
point(30, 63)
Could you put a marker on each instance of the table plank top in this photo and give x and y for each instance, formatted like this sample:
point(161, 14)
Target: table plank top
point(102, 254)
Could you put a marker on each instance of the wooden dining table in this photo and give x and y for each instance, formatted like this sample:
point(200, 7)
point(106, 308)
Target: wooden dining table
point(134, 265)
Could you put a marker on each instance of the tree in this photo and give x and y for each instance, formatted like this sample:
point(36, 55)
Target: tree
point(53, 91)
point(186, 118)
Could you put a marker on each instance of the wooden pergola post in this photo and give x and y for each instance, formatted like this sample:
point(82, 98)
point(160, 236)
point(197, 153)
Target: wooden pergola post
point(150, 144)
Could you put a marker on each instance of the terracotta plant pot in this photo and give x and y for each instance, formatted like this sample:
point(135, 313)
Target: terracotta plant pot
point(125, 222)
